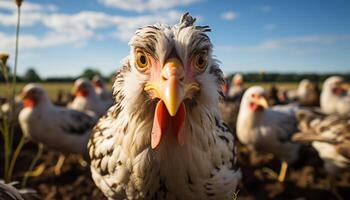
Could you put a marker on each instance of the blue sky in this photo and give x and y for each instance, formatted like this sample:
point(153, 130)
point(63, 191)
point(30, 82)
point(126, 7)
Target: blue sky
point(63, 37)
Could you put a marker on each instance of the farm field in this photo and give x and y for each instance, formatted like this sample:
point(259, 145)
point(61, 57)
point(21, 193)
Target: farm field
point(249, 103)
point(305, 180)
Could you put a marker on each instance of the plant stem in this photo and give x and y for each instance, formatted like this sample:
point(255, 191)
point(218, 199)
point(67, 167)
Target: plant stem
point(14, 158)
point(6, 148)
point(14, 79)
point(32, 164)
point(9, 137)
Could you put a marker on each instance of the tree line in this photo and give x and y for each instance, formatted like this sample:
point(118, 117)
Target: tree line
point(31, 75)
point(289, 77)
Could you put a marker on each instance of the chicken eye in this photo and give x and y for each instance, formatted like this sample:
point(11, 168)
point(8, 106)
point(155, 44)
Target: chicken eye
point(201, 61)
point(141, 61)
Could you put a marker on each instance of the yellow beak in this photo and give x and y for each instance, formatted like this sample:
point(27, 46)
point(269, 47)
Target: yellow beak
point(172, 76)
point(262, 102)
point(171, 87)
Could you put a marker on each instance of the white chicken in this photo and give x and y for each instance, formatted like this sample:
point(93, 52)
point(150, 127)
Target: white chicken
point(334, 98)
point(64, 130)
point(86, 100)
point(267, 129)
point(101, 89)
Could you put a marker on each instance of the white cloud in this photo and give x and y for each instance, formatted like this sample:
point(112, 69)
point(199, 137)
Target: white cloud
point(127, 26)
point(269, 27)
point(76, 29)
point(230, 15)
point(287, 43)
point(48, 40)
point(146, 5)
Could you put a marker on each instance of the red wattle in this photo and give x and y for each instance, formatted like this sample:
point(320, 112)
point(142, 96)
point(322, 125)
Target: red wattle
point(163, 120)
point(160, 122)
point(28, 103)
point(81, 93)
point(178, 124)
point(255, 107)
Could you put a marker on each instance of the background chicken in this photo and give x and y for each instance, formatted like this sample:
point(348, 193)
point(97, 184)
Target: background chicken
point(267, 129)
point(229, 107)
point(334, 98)
point(236, 88)
point(86, 100)
point(308, 93)
point(64, 130)
point(330, 136)
point(164, 138)
point(101, 89)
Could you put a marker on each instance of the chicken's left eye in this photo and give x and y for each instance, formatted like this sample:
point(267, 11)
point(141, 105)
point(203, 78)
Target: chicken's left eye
point(200, 61)
point(141, 60)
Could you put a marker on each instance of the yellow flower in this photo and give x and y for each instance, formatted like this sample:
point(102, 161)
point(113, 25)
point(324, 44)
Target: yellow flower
point(19, 2)
point(4, 57)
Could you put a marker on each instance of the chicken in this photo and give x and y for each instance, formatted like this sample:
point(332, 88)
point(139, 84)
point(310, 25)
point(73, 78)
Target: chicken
point(9, 192)
point(101, 90)
point(164, 138)
point(308, 93)
point(267, 129)
point(229, 107)
point(64, 130)
point(334, 98)
point(236, 90)
point(86, 99)
point(330, 136)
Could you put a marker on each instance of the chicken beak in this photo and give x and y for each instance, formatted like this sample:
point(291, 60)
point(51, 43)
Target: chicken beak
point(172, 76)
point(262, 102)
point(23, 96)
point(345, 87)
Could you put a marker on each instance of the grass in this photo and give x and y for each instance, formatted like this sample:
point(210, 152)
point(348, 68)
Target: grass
point(279, 85)
point(51, 88)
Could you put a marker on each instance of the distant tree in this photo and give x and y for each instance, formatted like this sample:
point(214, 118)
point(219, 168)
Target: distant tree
point(31, 76)
point(89, 73)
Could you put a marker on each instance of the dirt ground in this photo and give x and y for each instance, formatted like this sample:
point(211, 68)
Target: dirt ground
point(305, 180)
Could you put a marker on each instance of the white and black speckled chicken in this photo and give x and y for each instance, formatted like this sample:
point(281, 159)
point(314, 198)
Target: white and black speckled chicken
point(164, 137)
point(268, 129)
point(9, 192)
point(329, 135)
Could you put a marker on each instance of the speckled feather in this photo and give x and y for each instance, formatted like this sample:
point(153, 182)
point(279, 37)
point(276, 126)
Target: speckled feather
point(329, 135)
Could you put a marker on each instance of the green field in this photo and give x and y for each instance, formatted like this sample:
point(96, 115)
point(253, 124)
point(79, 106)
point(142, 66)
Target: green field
point(51, 88)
